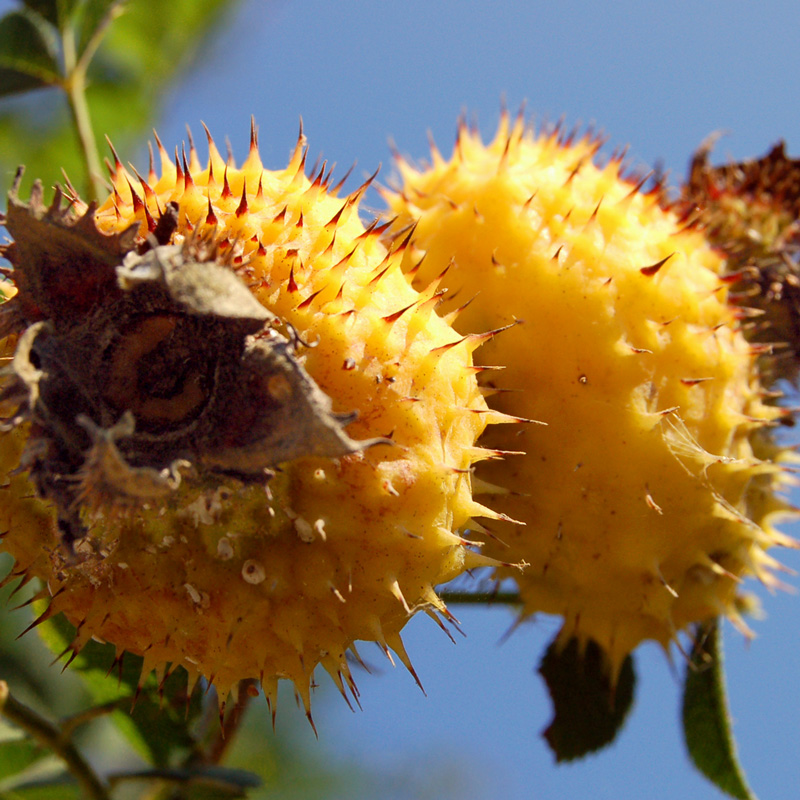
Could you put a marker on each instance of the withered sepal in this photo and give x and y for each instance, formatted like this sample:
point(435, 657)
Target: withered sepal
point(135, 366)
point(750, 210)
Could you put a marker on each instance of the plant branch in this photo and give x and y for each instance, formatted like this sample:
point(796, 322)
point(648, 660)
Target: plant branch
point(482, 598)
point(75, 88)
point(227, 730)
point(52, 737)
point(71, 723)
point(114, 11)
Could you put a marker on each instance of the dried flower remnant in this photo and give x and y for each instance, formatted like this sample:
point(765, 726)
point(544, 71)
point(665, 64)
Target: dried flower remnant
point(750, 210)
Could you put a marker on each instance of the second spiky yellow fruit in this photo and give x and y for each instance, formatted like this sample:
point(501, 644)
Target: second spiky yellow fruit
point(650, 490)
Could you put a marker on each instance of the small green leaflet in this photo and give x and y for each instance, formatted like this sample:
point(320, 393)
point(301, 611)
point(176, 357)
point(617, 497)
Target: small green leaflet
point(94, 16)
point(31, 39)
point(706, 720)
point(17, 750)
point(28, 53)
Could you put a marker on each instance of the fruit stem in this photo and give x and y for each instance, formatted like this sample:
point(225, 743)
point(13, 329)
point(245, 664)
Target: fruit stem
point(52, 737)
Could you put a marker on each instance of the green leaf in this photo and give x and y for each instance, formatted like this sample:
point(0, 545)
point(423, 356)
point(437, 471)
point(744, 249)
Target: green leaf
point(94, 15)
point(588, 710)
point(28, 58)
point(17, 750)
point(706, 721)
point(165, 726)
point(159, 723)
point(62, 788)
point(152, 50)
point(45, 779)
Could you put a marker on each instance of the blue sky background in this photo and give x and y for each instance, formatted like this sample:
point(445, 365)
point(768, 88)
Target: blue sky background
point(659, 77)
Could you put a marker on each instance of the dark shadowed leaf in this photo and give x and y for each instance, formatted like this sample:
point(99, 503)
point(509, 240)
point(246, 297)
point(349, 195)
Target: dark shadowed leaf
point(28, 59)
point(47, 9)
point(15, 668)
point(56, 12)
point(13, 82)
point(202, 782)
point(706, 720)
point(588, 711)
point(18, 656)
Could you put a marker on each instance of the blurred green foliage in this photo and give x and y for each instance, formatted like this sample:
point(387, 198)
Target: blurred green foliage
point(142, 55)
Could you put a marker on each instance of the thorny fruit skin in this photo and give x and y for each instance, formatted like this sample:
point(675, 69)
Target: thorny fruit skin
point(651, 487)
point(750, 211)
point(222, 577)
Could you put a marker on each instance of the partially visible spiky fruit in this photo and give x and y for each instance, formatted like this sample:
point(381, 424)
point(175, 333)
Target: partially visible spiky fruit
point(751, 211)
point(650, 490)
point(149, 400)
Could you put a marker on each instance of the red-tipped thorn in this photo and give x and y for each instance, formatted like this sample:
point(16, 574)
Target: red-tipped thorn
point(211, 217)
point(392, 318)
point(334, 190)
point(654, 268)
point(117, 163)
point(226, 189)
point(253, 135)
point(309, 300)
point(242, 208)
point(292, 287)
point(187, 174)
point(151, 168)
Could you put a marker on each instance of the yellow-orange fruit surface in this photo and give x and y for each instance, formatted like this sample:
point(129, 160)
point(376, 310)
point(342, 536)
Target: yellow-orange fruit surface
point(653, 485)
point(235, 581)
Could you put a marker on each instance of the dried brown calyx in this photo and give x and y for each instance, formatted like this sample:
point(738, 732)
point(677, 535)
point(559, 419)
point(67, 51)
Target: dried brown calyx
point(751, 211)
point(128, 365)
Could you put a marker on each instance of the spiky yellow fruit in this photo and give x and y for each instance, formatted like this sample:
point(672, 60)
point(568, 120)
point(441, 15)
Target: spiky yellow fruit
point(651, 487)
point(178, 398)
